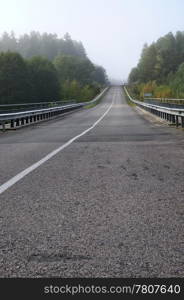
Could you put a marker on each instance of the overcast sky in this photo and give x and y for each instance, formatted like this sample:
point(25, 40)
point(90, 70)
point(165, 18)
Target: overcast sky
point(113, 31)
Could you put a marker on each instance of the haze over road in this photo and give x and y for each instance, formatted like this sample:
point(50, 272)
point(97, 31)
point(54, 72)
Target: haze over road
point(108, 205)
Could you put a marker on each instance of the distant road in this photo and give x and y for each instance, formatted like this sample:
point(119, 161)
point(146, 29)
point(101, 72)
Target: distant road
point(109, 203)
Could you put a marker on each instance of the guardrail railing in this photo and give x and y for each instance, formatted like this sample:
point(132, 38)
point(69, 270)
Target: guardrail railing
point(166, 100)
point(16, 119)
point(176, 103)
point(174, 115)
point(7, 108)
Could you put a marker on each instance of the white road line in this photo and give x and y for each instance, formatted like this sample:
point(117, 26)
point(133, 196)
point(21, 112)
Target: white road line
point(25, 172)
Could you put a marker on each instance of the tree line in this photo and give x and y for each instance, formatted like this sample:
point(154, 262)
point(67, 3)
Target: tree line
point(36, 68)
point(160, 70)
point(35, 44)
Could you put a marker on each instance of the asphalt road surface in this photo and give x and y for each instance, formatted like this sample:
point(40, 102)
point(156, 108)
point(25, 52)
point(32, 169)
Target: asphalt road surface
point(109, 204)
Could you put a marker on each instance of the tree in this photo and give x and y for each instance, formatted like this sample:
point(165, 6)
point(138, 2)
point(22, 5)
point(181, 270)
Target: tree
point(55, 67)
point(36, 44)
point(43, 79)
point(75, 90)
point(161, 62)
point(30, 45)
point(14, 83)
point(134, 75)
point(87, 93)
point(74, 68)
point(99, 75)
point(178, 82)
point(166, 56)
point(49, 46)
point(179, 47)
point(146, 66)
point(8, 42)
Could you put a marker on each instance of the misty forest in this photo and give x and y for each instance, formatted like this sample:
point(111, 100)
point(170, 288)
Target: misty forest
point(160, 70)
point(42, 67)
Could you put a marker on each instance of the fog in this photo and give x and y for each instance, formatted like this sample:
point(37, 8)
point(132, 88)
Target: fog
point(113, 32)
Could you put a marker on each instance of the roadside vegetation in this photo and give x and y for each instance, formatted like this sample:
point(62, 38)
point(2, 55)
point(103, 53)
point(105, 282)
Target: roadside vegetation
point(36, 68)
point(160, 70)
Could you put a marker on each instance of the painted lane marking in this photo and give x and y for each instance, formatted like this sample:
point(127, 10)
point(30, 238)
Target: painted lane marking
point(28, 170)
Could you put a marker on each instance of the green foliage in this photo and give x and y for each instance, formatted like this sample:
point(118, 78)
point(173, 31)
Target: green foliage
point(178, 82)
point(99, 75)
point(163, 91)
point(134, 75)
point(146, 66)
point(72, 90)
point(27, 81)
point(160, 69)
point(89, 92)
point(44, 84)
point(79, 78)
point(52, 69)
point(36, 44)
point(74, 68)
point(157, 91)
point(13, 78)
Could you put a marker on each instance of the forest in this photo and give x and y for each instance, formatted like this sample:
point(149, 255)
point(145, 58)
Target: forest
point(42, 67)
point(160, 70)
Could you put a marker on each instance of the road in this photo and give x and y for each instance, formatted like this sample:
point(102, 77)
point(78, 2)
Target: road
point(109, 204)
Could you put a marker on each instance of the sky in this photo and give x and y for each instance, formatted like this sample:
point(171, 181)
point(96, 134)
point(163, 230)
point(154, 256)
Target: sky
point(113, 32)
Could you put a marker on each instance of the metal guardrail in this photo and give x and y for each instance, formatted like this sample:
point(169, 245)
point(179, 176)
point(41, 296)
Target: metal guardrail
point(171, 114)
point(166, 100)
point(36, 103)
point(12, 120)
point(165, 103)
point(7, 108)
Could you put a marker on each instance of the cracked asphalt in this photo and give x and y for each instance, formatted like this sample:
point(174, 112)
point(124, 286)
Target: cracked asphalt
point(109, 205)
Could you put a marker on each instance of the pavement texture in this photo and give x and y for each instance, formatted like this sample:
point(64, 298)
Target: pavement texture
point(109, 205)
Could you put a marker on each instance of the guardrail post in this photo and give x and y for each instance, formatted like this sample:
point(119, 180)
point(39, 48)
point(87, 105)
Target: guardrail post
point(17, 122)
point(3, 126)
point(177, 123)
point(12, 124)
point(182, 122)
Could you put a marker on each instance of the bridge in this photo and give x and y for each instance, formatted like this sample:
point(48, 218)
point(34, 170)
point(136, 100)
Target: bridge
point(95, 193)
